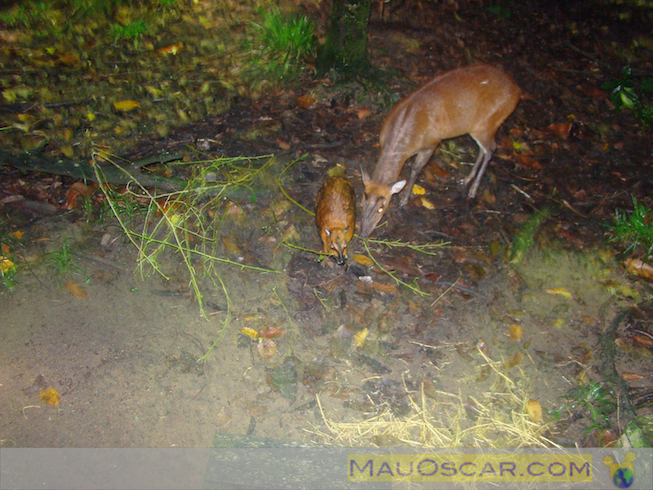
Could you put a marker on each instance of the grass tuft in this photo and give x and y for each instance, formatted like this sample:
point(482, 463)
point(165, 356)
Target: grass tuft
point(282, 45)
point(634, 228)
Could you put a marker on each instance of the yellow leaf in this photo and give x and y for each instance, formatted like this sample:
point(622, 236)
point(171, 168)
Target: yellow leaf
point(418, 190)
point(154, 91)
point(359, 338)
point(427, 204)
point(68, 151)
point(90, 116)
point(126, 105)
point(50, 396)
point(18, 234)
point(559, 292)
point(534, 411)
point(9, 95)
point(363, 260)
point(6, 265)
point(171, 49)
point(250, 332)
point(516, 332)
point(76, 290)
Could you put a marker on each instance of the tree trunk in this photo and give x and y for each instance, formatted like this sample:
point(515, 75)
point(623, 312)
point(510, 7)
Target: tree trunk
point(345, 49)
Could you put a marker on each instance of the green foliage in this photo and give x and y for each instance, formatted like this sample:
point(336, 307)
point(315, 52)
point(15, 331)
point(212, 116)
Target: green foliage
point(50, 18)
point(634, 228)
point(624, 94)
point(590, 400)
point(123, 205)
point(131, 30)
point(281, 45)
point(62, 262)
point(498, 10)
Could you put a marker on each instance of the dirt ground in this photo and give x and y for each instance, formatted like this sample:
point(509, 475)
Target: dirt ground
point(124, 358)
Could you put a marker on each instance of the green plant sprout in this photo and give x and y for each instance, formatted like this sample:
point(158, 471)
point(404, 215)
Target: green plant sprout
point(62, 262)
point(634, 227)
point(624, 95)
point(594, 400)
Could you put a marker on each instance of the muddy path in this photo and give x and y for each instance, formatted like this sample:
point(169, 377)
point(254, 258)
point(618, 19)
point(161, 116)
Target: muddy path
point(362, 358)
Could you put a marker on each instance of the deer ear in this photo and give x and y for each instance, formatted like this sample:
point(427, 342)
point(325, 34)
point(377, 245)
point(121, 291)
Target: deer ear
point(364, 176)
point(397, 186)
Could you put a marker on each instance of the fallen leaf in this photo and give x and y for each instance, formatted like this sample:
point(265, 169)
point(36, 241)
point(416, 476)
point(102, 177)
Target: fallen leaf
point(534, 411)
point(639, 268)
point(418, 190)
point(306, 101)
point(68, 59)
point(126, 105)
point(363, 260)
point(433, 276)
point(427, 204)
point(595, 92)
point(439, 172)
point(290, 233)
point(67, 151)
point(560, 129)
point(155, 92)
point(76, 290)
point(516, 333)
point(631, 376)
point(6, 265)
point(559, 292)
point(463, 353)
point(50, 396)
point(284, 145)
point(230, 245)
point(606, 438)
point(250, 332)
point(271, 333)
point(359, 338)
point(513, 361)
point(385, 288)
point(171, 48)
point(527, 162)
point(279, 208)
point(267, 349)
point(79, 188)
point(363, 113)
point(644, 341)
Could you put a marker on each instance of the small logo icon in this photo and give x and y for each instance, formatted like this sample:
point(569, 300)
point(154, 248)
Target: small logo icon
point(623, 475)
